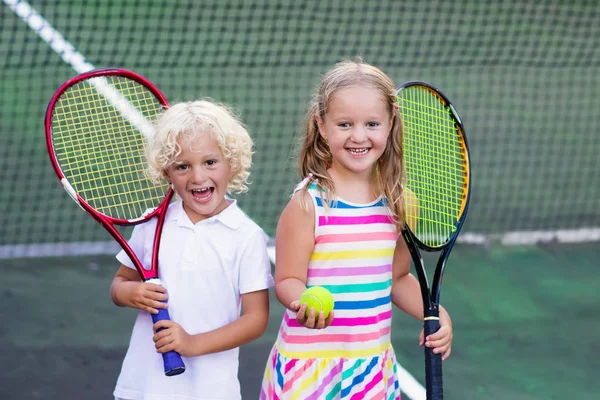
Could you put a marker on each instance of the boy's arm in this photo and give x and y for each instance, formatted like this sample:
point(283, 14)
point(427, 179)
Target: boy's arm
point(126, 290)
point(251, 325)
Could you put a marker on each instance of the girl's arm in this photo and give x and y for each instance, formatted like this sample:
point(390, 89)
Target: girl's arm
point(406, 295)
point(126, 290)
point(294, 243)
point(251, 325)
point(406, 292)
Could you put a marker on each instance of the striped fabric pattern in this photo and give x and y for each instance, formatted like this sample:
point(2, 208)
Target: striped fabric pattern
point(353, 357)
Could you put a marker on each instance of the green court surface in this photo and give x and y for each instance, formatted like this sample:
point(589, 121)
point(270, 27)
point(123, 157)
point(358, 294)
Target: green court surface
point(525, 326)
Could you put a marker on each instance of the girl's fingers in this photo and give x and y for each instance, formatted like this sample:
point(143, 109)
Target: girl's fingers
point(320, 321)
point(438, 343)
point(310, 321)
point(329, 319)
point(440, 334)
point(446, 353)
point(301, 314)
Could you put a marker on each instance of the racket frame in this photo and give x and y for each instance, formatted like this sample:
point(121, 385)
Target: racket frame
point(431, 294)
point(173, 363)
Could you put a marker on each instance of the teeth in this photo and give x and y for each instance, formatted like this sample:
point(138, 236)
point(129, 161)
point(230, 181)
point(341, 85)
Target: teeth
point(200, 190)
point(358, 151)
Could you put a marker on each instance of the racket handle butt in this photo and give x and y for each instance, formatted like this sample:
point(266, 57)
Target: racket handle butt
point(433, 362)
point(171, 360)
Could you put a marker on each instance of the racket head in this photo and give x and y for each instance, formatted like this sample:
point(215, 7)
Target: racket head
point(97, 125)
point(436, 158)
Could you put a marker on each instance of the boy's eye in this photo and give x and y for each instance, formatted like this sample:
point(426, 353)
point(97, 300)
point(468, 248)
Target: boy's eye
point(211, 162)
point(180, 167)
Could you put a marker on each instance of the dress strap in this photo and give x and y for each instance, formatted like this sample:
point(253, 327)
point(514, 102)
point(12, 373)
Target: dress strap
point(304, 182)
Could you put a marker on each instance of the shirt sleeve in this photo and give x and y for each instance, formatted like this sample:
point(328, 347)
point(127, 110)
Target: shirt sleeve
point(136, 242)
point(255, 267)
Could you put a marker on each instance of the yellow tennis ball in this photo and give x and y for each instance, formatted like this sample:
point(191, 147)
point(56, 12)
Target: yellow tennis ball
point(318, 298)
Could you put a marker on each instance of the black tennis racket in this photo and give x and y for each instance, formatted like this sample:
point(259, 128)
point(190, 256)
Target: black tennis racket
point(437, 189)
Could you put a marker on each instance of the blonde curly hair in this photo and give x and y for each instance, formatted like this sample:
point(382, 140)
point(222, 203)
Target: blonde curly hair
point(193, 118)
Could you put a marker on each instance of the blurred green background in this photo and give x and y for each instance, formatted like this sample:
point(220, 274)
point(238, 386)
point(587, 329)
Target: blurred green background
point(524, 75)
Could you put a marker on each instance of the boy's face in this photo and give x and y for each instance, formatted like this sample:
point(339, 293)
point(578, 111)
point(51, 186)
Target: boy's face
point(200, 175)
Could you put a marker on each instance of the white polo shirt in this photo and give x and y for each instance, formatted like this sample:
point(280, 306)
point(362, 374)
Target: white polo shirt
point(205, 268)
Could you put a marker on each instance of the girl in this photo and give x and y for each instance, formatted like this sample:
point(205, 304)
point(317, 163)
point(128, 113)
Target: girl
point(213, 259)
point(341, 230)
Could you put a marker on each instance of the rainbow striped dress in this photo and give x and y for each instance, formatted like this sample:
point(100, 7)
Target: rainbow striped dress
point(353, 357)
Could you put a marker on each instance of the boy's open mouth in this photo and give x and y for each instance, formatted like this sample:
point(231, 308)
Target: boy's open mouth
point(203, 195)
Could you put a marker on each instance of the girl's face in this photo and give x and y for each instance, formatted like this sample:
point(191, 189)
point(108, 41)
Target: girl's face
point(200, 176)
point(356, 126)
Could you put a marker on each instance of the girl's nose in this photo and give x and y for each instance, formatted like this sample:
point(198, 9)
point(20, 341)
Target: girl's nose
point(359, 134)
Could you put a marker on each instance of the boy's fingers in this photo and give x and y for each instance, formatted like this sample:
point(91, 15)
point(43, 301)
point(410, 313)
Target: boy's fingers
point(156, 288)
point(162, 324)
point(159, 304)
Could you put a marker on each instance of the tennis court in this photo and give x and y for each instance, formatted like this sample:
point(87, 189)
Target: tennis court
point(522, 286)
point(525, 320)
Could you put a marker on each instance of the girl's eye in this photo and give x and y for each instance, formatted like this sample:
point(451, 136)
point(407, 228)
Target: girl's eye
point(211, 162)
point(343, 124)
point(373, 124)
point(180, 167)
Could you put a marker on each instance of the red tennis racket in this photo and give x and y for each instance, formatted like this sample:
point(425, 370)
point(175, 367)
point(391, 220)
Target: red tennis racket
point(97, 126)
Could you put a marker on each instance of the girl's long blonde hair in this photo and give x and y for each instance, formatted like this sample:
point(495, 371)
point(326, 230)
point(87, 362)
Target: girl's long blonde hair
point(315, 157)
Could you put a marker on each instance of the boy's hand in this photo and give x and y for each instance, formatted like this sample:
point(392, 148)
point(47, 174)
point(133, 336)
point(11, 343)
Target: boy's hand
point(148, 297)
point(441, 341)
point(313, 321)
point(170, 336)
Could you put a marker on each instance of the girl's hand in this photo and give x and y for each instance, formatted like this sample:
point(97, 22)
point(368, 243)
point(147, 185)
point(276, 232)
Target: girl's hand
point(313, 321)
point(172, 337)
point(147, 296)
point(441, 341)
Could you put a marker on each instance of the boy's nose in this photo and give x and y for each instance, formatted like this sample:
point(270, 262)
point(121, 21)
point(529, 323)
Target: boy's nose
point(198, 176)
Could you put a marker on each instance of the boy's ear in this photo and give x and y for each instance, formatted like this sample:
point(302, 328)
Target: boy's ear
point(167, 176)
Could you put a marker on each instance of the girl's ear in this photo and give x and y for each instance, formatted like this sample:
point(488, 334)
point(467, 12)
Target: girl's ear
point(321, 126)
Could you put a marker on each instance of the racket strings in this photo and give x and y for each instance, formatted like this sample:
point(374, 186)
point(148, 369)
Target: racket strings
point(435, 162)
point(98, 129)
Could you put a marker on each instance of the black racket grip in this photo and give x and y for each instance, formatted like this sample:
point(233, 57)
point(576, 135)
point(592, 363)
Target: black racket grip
point(433, 362)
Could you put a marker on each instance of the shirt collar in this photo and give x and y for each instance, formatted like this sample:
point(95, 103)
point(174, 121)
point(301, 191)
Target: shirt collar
point(232, 216)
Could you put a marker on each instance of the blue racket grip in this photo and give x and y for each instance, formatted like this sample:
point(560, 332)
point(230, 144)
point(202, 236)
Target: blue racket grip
point(172, 360)
point(433, 362)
